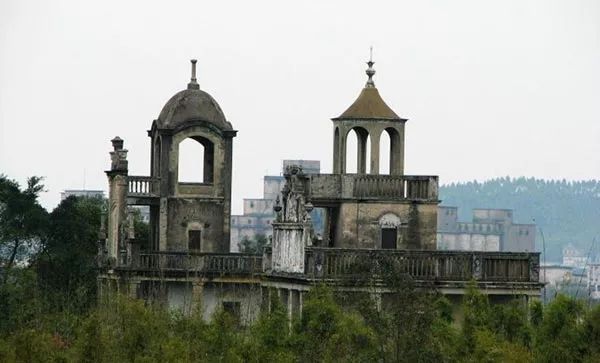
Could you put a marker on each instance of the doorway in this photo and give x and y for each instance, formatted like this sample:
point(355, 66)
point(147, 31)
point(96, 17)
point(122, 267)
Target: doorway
point(388, 238)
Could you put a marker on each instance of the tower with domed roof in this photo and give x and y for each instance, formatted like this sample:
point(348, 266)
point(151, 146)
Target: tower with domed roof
point(192, 215)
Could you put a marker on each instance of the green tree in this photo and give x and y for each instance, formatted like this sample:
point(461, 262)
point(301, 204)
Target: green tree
point(269, 337)
point(253, 246)
point(23, 221)
point(66, 265)
point(476, 316)
point(560, 335)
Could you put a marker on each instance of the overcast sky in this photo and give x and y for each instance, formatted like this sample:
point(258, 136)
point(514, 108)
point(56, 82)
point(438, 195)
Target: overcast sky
point(490, 88)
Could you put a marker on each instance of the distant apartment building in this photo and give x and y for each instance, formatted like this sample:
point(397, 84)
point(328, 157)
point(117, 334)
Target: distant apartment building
point(81, 193)
point(490, 230)
point(555, 275)
point(258, 213)
point(573, 256)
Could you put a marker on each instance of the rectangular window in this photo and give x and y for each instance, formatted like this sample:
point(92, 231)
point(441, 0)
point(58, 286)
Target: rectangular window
point(194, 240)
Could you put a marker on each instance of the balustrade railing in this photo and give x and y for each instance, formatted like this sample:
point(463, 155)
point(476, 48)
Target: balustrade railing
point(367, 186)
point(213, 263)
point(142, 185)
point(396, 187)
point(336, 263)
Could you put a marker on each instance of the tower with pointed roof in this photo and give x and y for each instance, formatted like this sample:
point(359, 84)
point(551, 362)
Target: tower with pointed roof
point(369, 116)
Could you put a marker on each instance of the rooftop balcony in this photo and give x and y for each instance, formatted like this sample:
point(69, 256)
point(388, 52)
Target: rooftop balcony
point(142, 186)
point(434, 266)
point(331, 187)
point(358, 266)
point(218, 264)
point(142, 190)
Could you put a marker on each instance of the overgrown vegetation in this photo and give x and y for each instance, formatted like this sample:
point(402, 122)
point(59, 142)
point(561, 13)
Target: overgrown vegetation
point(49, 311)
point(413, 326)
point(567, 211)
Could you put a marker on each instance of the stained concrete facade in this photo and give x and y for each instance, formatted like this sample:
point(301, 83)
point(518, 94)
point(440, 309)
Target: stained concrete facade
point(490, 230)
point(374, 210)
point(371, 220)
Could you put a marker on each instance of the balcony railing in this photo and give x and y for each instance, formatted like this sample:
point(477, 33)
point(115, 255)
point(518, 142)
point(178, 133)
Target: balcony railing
point(209, 263)
point(365, 186)
point(336, 263)
point(398, 187)
point(142, 186)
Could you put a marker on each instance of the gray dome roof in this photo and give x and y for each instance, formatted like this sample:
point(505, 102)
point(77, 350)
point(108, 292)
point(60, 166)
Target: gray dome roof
point(192, 105)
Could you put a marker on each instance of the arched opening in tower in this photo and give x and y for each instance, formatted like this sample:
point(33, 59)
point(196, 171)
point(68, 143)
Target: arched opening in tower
point(358, 151)
point(395, 151)
point(196, 156)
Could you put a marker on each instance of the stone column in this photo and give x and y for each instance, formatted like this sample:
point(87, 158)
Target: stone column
point(290, 306)
point(117, 200)
point(375, 136)
point(197, 292)
point(397, 151)
point(133, 287)
point(361, 156)
point(342, 151)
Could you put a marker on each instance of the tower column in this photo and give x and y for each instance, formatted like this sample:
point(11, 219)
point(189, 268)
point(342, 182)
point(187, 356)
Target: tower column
point(342, 150)
point(117, 198)
point(336, 149)
point(375, 152)
point(361, 167)
point(397, 151)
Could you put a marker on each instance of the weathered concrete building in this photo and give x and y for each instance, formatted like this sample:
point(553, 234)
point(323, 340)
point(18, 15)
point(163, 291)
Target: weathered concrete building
point(573, 257)
point(371, 220)
point(490, 230)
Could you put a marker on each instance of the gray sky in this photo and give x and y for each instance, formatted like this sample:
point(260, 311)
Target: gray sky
point(491, 88)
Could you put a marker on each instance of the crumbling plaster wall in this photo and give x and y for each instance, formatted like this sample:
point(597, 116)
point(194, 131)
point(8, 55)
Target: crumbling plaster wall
point(206, 213)
point(358, 225)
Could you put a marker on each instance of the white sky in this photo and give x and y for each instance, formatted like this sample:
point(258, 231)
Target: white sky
point(491, 88)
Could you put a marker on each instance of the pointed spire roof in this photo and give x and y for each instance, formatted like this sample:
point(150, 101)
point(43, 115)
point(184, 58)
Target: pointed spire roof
point(369, 104)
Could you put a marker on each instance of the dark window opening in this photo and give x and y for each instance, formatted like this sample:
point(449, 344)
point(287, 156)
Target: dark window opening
point(232, 308)
point(194, 240)
point(388, 238)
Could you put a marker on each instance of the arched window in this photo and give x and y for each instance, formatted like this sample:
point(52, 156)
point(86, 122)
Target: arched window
point(196, 156)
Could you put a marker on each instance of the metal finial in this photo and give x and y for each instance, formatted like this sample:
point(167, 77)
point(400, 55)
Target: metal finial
point(370, 71)
point(193, 82)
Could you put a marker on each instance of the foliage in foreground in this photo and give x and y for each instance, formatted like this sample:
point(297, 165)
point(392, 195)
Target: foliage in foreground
point(415, 327)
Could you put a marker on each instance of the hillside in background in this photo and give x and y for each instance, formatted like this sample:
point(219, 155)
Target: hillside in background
point(567, 211)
